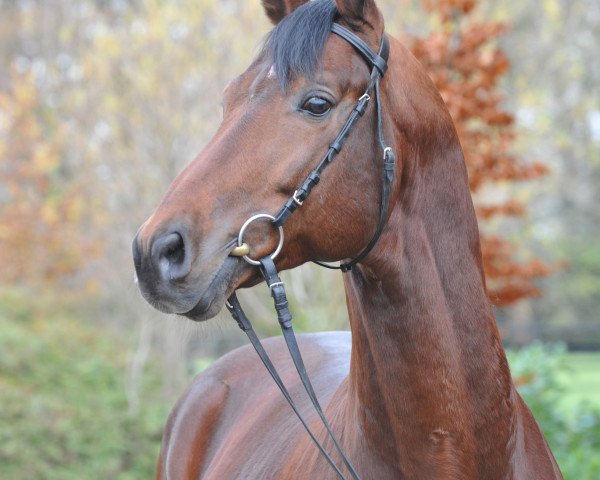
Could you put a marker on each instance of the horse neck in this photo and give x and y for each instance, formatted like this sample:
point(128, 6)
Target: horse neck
point(426, 356)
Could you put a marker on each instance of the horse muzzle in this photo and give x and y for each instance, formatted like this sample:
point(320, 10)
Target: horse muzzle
point(162, 268)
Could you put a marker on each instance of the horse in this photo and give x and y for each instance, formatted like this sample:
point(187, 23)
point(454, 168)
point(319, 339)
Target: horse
point(420, 388)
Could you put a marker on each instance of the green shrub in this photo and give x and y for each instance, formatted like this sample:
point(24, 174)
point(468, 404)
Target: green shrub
point(572, 428)
point(64, 412)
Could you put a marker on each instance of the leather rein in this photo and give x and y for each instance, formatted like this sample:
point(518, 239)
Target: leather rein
point(378, 64)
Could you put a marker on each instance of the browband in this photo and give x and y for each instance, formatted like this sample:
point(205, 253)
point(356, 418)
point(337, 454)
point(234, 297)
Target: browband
point(379, 61)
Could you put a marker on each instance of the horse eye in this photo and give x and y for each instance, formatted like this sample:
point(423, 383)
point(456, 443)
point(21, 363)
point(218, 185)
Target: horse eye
point(317, 106)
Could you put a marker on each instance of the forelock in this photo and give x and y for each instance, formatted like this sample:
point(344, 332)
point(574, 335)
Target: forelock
point(296, 45)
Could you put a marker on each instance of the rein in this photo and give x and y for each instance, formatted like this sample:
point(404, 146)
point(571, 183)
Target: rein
point(378, 64)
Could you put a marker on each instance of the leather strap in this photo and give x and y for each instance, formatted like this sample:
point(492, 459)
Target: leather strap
point(234, 307)
point(277, 288)
point(378, 62)
point(304, 190)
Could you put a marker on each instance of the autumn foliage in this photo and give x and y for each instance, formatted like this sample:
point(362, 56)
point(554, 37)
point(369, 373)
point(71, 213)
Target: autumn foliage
point(88, 143)
point(42, 219)
point(465, 63)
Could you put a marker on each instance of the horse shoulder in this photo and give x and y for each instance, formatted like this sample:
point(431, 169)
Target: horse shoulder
point(214, 409)
point(190, 427)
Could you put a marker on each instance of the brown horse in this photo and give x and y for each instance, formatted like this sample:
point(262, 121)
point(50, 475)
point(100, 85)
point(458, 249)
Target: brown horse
point(421, 388)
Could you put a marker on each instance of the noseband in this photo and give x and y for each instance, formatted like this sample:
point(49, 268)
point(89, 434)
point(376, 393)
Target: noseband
point(378, 64)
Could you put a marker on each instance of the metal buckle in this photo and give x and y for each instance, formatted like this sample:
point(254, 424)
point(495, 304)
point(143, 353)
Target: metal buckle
point(385, 152)
point(240, 240)
point(365, 96)
point(273, 285)
point(295, 198)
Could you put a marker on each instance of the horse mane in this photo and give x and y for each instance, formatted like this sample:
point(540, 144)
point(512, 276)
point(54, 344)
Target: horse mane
point(296, 44)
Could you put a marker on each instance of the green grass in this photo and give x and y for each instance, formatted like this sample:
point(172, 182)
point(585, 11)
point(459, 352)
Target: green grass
point(63, 408)
point(581, 378)
point(559, 388)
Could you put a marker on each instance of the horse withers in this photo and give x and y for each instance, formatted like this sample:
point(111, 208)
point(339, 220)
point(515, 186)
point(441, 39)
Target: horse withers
point(421, 388)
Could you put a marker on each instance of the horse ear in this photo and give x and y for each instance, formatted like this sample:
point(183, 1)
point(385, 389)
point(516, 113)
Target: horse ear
point(277, 9)
point(358, 11)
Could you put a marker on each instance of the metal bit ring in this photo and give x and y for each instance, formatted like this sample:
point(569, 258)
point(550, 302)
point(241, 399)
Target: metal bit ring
point(240, 240)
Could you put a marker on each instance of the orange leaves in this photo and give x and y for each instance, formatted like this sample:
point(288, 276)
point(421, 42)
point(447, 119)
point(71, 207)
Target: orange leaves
point(507, 280)
point(466, 65)
point(40, 210)
point(105, 105)
point(509, 208)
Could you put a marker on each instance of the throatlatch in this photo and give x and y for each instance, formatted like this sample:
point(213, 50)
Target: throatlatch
point(378, 63)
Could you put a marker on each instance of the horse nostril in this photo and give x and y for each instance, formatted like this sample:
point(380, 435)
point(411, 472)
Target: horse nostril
point(171, 257)
point(173, 249)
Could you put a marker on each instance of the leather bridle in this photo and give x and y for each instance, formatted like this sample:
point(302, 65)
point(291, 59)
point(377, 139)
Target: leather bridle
point(378, 64)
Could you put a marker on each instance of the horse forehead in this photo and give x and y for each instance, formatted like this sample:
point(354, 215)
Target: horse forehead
point(340, 65)
point(341, 61)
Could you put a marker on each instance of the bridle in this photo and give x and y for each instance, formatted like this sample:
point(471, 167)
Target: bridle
point(378, 64)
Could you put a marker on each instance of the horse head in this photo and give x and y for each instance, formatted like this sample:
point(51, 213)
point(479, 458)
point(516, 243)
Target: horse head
point(279, 118)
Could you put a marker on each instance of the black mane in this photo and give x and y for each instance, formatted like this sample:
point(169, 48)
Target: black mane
point(296, 44)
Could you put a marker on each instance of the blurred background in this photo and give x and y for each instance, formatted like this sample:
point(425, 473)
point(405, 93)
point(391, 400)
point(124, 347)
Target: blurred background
point(102, 102)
